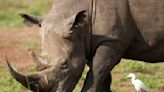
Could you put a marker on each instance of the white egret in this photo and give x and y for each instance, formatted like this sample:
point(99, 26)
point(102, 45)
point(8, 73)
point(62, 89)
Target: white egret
point(138, 84)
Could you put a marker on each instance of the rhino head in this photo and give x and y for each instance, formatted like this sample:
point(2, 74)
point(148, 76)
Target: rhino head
point(63, 53)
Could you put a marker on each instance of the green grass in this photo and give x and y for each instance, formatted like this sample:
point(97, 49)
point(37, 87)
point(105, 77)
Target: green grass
point(151, 74)
point(153, 77)
point(30, 43)
point(9, 10)
point(8, 84)
point(81, 81)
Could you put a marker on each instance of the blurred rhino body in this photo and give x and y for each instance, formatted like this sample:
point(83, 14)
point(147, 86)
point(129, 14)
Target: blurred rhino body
point(101, 32)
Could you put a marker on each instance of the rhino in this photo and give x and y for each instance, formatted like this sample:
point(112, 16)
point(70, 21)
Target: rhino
point(97, 33)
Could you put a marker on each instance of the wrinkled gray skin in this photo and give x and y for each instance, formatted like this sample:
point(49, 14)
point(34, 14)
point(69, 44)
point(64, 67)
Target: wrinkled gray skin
point(132, 29)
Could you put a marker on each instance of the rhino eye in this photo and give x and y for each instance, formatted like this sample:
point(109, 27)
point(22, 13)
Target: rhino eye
point(68, 38)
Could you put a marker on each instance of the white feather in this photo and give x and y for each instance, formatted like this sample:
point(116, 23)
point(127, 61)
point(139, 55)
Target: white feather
point(138, 84)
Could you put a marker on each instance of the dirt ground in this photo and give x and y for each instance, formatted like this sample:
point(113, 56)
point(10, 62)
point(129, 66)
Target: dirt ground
point(12, 43)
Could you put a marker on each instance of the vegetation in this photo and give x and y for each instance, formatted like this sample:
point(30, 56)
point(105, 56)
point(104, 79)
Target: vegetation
point(8, 84)
point(153, 77)
point(30, 43)
point(10, 9)
point(151, 74)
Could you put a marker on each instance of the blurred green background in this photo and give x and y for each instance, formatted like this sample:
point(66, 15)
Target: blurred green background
point(151, 74)
point(9, 10)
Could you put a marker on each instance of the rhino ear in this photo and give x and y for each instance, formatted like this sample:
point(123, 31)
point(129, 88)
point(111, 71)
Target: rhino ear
point(77, 19)
point(30, 20)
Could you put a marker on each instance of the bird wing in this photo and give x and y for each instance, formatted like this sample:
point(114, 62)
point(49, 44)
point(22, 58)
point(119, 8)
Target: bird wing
point(141, 85)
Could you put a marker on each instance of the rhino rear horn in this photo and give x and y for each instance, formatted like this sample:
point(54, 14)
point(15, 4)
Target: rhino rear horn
point(29, 81)
point(41, 62)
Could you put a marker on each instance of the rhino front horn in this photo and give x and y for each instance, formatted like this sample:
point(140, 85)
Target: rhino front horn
point(29, 81)
point(41, 62)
